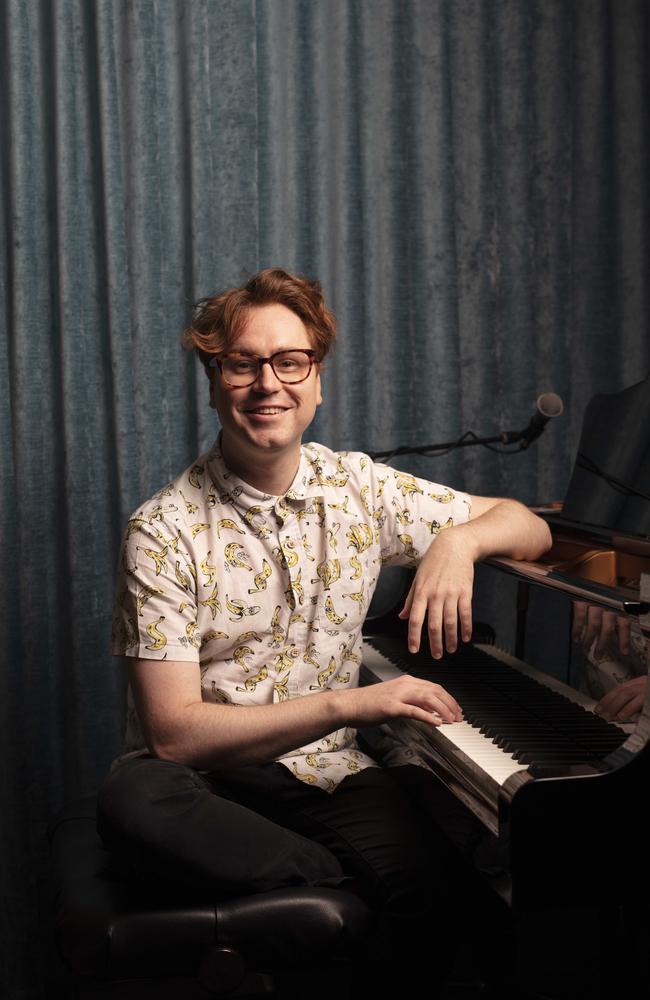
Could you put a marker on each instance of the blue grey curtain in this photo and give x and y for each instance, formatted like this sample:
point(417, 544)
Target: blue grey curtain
point(468, 179)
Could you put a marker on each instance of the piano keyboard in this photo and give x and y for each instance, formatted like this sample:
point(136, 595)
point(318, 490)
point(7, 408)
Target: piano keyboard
point(466, 738)
point(513, 722)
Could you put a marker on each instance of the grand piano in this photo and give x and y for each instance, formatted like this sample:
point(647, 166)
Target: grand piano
point(551, 779)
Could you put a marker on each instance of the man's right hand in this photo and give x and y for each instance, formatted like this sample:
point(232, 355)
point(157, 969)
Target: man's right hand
point(403, 697)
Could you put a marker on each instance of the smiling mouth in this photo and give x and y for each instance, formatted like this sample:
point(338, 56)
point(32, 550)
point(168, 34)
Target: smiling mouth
point(270, 410)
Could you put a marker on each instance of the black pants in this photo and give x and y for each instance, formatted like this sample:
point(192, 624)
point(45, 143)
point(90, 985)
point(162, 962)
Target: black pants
point(261, 828)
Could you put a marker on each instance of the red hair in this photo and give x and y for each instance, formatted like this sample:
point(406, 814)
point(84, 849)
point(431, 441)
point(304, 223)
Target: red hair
point(218, 320)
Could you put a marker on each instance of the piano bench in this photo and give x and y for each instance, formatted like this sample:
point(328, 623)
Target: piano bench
point(119, 942)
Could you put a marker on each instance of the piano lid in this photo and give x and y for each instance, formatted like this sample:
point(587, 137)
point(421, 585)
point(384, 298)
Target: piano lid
point(610, 484)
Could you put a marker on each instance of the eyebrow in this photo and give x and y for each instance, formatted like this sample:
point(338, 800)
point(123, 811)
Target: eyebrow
point(254, 354)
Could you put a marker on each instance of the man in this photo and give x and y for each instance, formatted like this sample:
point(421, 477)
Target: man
point(243, 590)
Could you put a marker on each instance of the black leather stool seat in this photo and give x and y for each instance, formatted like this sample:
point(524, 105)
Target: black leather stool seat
point(112, 932)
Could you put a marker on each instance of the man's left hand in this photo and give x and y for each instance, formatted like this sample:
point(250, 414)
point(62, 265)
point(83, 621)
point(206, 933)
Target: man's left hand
point(442, 588)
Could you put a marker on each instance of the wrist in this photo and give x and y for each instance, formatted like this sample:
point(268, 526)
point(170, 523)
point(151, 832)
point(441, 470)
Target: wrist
point(342, 707)
point(468, 537)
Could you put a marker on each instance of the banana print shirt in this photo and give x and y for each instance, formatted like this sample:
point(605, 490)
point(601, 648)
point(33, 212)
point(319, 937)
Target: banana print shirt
point(268, 594)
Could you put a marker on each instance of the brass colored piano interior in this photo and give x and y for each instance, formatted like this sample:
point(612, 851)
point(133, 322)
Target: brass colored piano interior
point(610, 567)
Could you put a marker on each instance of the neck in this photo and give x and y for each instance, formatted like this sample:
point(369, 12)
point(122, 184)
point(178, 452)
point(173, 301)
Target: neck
point(271, 473)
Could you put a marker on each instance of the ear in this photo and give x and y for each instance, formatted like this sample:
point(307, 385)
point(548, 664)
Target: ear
point(319, 395)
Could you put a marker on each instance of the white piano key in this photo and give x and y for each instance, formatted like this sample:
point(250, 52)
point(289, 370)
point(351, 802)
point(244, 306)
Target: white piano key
point(496, 763)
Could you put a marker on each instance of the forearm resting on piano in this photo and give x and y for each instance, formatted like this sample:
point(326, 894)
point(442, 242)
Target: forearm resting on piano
point(179, 726)
point(442, 587)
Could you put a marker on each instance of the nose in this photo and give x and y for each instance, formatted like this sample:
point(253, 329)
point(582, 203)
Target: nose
point(267, 380)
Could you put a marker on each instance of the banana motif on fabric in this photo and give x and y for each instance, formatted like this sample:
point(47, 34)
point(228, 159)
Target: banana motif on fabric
point(248, 637)
point(211, 634)
point(328, 572)
point(402, 516)
point(197, 528)
point(331, 536)
point(331, 613)
point(263, 530)
point(235, 557)
point(252, 682)
point(290, 554)
point(190, 507)
point(183, 578)
point(227, 524)
point(283, 510)
point(409, 551)
point(159, 557)
point(435, 527)
point(159, 639)
point(219, 696)
point(260, 579)
point(158, 513)
point(281, 686)
point(239, 608)
point(278, 632)
point(352, 757)
point(194, 476)
point(307, 547)
point(143, 595)
point(331, 744)
point(324, 676)
point(317, 760)
point(347, 654)
point(359, 596)
point(355, 563)
point(316, 507)
point(239, 655)
point(297, 588)
point(213, 602)
point(190, 631)
point(342, 678)
point(363, 496)
point(171, 542)
point(341, 506)
point(278, 555)
point(407, 484)
point(445, 497)
point(286, 659)
point(307, 656)
point(360, 537)
point(309, 779)
point(135, 524)
point(208, 569)
point(339, 478)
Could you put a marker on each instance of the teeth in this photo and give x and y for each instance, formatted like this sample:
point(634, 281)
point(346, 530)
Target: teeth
point(268, 409)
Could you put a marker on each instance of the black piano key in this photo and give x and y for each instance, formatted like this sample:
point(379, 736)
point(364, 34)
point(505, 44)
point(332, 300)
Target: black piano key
point(516, 711)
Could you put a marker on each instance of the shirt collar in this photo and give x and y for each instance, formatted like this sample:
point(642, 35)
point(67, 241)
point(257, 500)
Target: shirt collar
point(307, 482)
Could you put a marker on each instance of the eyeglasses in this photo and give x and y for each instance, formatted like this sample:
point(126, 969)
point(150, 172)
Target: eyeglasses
point(241, 370)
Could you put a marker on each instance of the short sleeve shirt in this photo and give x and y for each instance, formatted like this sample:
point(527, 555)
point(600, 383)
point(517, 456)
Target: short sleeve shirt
point(268, 594)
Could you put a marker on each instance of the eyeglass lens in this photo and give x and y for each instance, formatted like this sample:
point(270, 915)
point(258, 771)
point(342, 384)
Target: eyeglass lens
point(289, 366)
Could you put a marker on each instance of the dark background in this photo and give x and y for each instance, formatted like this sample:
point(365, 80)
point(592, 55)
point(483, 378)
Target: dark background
point(468, 179)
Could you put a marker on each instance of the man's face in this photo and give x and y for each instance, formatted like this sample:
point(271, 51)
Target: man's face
point(269, 415)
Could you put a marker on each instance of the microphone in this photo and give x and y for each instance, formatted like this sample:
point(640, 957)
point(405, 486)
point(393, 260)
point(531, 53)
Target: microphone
point(547, 406)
